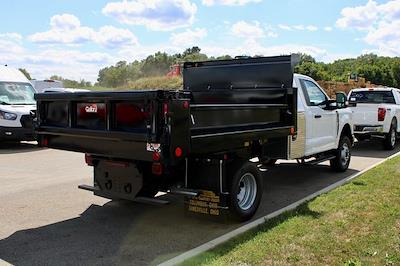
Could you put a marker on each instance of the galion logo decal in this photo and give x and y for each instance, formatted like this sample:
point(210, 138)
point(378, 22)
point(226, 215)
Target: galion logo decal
point(91, 108)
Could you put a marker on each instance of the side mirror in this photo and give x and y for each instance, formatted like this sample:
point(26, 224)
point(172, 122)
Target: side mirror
point(341, 100)
point(353, 102)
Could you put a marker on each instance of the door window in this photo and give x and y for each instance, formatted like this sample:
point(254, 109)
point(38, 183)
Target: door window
point(314, 95)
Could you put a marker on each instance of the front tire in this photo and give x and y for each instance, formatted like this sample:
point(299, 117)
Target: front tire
point(343, 155)
point(390, 139)
point(246, 192)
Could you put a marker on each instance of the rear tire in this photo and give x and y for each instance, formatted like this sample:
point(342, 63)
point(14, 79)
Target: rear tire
point(389, 142)
point(246, 191)
point(343, 155)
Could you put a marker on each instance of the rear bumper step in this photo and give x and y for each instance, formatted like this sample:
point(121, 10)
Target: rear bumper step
point(153, 201)
point(184, 192)
point(88, 188)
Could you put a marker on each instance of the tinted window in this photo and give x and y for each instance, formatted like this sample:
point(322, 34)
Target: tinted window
point(373, 97)
point(314, 95)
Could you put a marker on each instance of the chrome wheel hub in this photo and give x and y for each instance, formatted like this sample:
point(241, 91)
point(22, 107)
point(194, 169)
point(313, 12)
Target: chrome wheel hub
point(345, 154)
point(247, 191)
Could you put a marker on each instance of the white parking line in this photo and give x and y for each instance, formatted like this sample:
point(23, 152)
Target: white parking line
point(219, 240)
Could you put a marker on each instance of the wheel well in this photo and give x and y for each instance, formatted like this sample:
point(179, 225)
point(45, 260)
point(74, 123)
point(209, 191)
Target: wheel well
point(346, 131)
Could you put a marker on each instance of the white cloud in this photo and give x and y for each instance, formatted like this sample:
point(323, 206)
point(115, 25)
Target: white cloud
point(188, 37)
point(112, 37)
point(67, 29)
point(72, 64)
point(298, 27)
point(252, 47)
point(381, 22)
point(360, 17)
point(328, 28)
point(285, 27)
point(65, 22)
point(158, 15)
point(312, 28)
point(247, 30)
point(229, 2)
point(11, 36)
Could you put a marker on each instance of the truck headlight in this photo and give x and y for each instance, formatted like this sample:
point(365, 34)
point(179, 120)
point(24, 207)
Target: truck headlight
point(8, 116)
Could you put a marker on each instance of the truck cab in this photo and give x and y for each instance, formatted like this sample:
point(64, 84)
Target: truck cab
point(324, 126)
point(325, 121)
point(16, 104)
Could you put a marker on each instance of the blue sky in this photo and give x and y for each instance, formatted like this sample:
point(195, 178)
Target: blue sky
point(75, 39)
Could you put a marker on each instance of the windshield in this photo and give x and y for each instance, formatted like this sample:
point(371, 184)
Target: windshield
point(16, 93)
point(373, 97)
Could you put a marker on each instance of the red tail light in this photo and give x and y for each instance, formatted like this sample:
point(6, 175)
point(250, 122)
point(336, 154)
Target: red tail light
point(178, 152)
point(185, 105)
point(381, 114)
point(165, 108)
point(89, 159)
point(156, 156)
point(45, 142)
point(156, 168)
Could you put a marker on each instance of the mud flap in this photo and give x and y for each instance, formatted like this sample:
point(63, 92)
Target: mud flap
point(117, 180)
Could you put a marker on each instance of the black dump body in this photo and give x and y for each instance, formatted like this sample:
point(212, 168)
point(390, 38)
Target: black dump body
point(224, 106)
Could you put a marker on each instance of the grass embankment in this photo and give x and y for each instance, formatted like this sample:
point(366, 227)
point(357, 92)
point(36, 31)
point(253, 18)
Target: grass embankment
point(169, 83)
point(356, 224)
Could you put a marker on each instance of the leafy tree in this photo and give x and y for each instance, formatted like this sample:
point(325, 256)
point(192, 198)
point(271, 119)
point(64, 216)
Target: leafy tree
point(68, 83)
point(26, 73)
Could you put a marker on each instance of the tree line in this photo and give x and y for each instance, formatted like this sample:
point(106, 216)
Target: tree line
point(155, 65)
point(378, 70)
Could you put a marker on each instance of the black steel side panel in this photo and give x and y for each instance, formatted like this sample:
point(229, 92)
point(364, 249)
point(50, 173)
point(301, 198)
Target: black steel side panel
point(241, 100)
point(263, 72)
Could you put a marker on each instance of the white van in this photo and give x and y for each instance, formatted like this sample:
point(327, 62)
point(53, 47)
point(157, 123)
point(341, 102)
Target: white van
point(16, 104)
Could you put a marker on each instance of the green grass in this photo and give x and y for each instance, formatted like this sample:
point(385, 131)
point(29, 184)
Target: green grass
point(169, 83)
point(356, 224)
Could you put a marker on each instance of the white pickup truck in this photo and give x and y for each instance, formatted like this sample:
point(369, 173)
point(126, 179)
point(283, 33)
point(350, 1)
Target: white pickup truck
point(376, 113)
point(325, 127)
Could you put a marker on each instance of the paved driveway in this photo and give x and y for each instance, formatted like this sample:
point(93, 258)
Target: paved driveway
point(45, 219)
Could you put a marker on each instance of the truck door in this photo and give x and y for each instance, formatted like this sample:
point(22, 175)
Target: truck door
point(321, 124)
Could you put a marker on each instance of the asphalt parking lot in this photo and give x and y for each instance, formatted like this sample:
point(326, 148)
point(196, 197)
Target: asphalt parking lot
point(46, 220)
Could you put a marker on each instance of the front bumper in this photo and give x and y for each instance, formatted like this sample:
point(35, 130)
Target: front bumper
point(16, 134)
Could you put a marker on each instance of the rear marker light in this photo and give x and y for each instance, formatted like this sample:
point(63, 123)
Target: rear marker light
point(89, 159)
point(178, 152)
point(156, 156)
point(165, 108)
point(45, 142)
point(156, 168)
point(381, 114)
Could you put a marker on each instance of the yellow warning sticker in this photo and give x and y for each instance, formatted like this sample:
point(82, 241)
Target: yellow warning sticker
point(205, 203)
